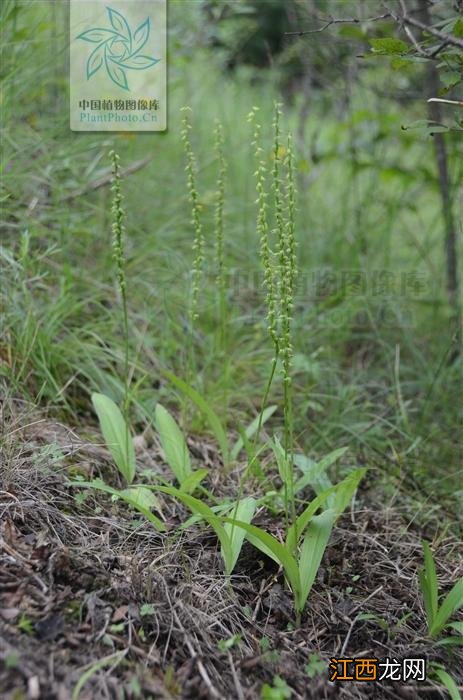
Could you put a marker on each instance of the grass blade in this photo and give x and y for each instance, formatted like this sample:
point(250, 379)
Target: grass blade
point(112, 659)
point(116, 435)
point(209, 414)
point(173, 444)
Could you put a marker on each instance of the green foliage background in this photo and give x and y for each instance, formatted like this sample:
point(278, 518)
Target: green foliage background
point(370, 362)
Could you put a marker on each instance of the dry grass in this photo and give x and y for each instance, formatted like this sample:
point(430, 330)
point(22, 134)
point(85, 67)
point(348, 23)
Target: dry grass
point(75, 575)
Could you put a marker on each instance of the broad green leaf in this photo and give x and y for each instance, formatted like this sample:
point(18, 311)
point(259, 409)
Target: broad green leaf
point(337, 497)
point(193, 480)
point(283, 463)
point(345, 491)
point(200, 508)
point(449, 79)
point(458, 28)
point(279, 553)
point(207, 411)
point(314, 471)
point(452, 602)
point(312, 550)
point(251, 430)
point(142, 496)
point(116, 434)
point(429, 585)
point(388, 46)
point(258, 544)
point(457, 626)
point(427, 598)
point(173, 444)
point(296, 530)
point(401, 62)
point(453, 641)
point(221, 509)
point(447, 681)
point(244, 512)
point(99, 485)
point(426, 126)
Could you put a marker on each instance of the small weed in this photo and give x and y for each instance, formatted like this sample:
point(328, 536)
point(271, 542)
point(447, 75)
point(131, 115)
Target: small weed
point(225, 644)
point(147, 609)
point(280, 690)
point(315, 666)
point(439, 615)
point(25, 624)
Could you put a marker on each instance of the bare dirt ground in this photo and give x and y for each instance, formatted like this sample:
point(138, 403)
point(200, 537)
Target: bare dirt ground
point(84, 579)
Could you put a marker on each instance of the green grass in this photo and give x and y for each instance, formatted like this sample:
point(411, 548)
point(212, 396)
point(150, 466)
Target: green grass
point(61, 336)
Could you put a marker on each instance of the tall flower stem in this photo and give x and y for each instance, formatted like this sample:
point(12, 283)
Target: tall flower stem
point(118, 231)
point(266, 257)
point(219, 235)
point(198, 235)
point(289, 273)
point(279, 278)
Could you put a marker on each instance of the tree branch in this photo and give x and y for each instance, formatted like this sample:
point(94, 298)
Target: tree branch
point(333, 20)
point(404, 19)
point(447, 39)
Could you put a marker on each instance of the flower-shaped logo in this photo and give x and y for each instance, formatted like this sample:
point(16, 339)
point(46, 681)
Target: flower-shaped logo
point(118, 49)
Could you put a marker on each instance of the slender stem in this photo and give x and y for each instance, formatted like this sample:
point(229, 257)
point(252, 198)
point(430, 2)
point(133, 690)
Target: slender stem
point(198, 240)
point(219, 237)
point(263, 405)
point(118, 229)
point(256, 437)
point(221, 270)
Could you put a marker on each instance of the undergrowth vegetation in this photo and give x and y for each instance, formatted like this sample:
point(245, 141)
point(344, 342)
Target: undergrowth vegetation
point(243, 323)
point(306, 533)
